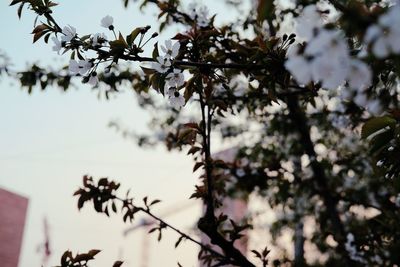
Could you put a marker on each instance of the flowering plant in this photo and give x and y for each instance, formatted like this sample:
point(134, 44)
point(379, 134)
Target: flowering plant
point(308, 94)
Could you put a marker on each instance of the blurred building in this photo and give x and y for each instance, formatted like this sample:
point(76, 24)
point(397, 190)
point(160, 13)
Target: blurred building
point(13, 209)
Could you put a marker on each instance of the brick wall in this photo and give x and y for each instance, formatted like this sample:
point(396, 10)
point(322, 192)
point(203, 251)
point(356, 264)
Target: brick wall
point(12, 221)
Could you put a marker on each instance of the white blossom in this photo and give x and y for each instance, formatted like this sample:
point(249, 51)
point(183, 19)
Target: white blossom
point(203, 16)
point(300, 69)
point(69, 33)
point(57, 44)
point(200, 14)
point(338, 120)
point(375, 107)
point(308, 22)
point(240, 172)
point(98, 38)
point(372, 33)
point(360, 75)
point(162, 64)
point(381, 47)
point(377, 259)
point(93, 80)
point(176, 78)
point(327, 42)
point(326, 56)
point(331, 58)
point(175, 98)
point(79, 67)
point(331, 72)
point(346, 94)
point(107, 22)
point(171, 51)
point(352, 250)
point(384, 37)
point(361, 99)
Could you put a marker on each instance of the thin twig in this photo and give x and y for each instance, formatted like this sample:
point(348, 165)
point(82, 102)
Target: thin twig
point(186, 236)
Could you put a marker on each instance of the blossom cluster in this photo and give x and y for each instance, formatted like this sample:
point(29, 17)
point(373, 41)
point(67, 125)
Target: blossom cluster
point(326, 59)
point(352, 250)
point(83, 67)
point(200, 14)
point(174, 79)
point(76, 67)
point(384, 36)
point(359, 256)
point(163, 64)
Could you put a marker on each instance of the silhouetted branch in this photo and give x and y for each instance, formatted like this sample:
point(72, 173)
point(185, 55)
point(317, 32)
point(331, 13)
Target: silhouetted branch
point(299, 119)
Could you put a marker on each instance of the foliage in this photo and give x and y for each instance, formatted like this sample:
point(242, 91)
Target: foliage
point(308, 94)
point(81, 260)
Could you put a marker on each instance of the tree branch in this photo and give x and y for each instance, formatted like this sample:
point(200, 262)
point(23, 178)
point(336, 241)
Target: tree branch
point(300, 120)
point(186, 236)
point(208, 223)
point(207, 157)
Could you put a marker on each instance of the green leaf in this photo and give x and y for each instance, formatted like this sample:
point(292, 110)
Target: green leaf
point(114, 207)
point(117, 47)
point(256, 253)
point(83, 257)
point(65, 258)
point(79, 55)
point(189, 88)
point(14, 2)
point(157, 81)
point(155, 51)
point(85, 37)
point(380, 141)
point(118, 263)
point(20, 8)
point(94, 252)
point(147, 71)
point(197, 165)
point(40, 28)
point(178, 241)
point(38, 35)
point(51, 4)
point(155, 202)
point(36, 3)
point(122, 40)
point(265, 10)
point(131, 37)
point(46, 38)
point(375, 124)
